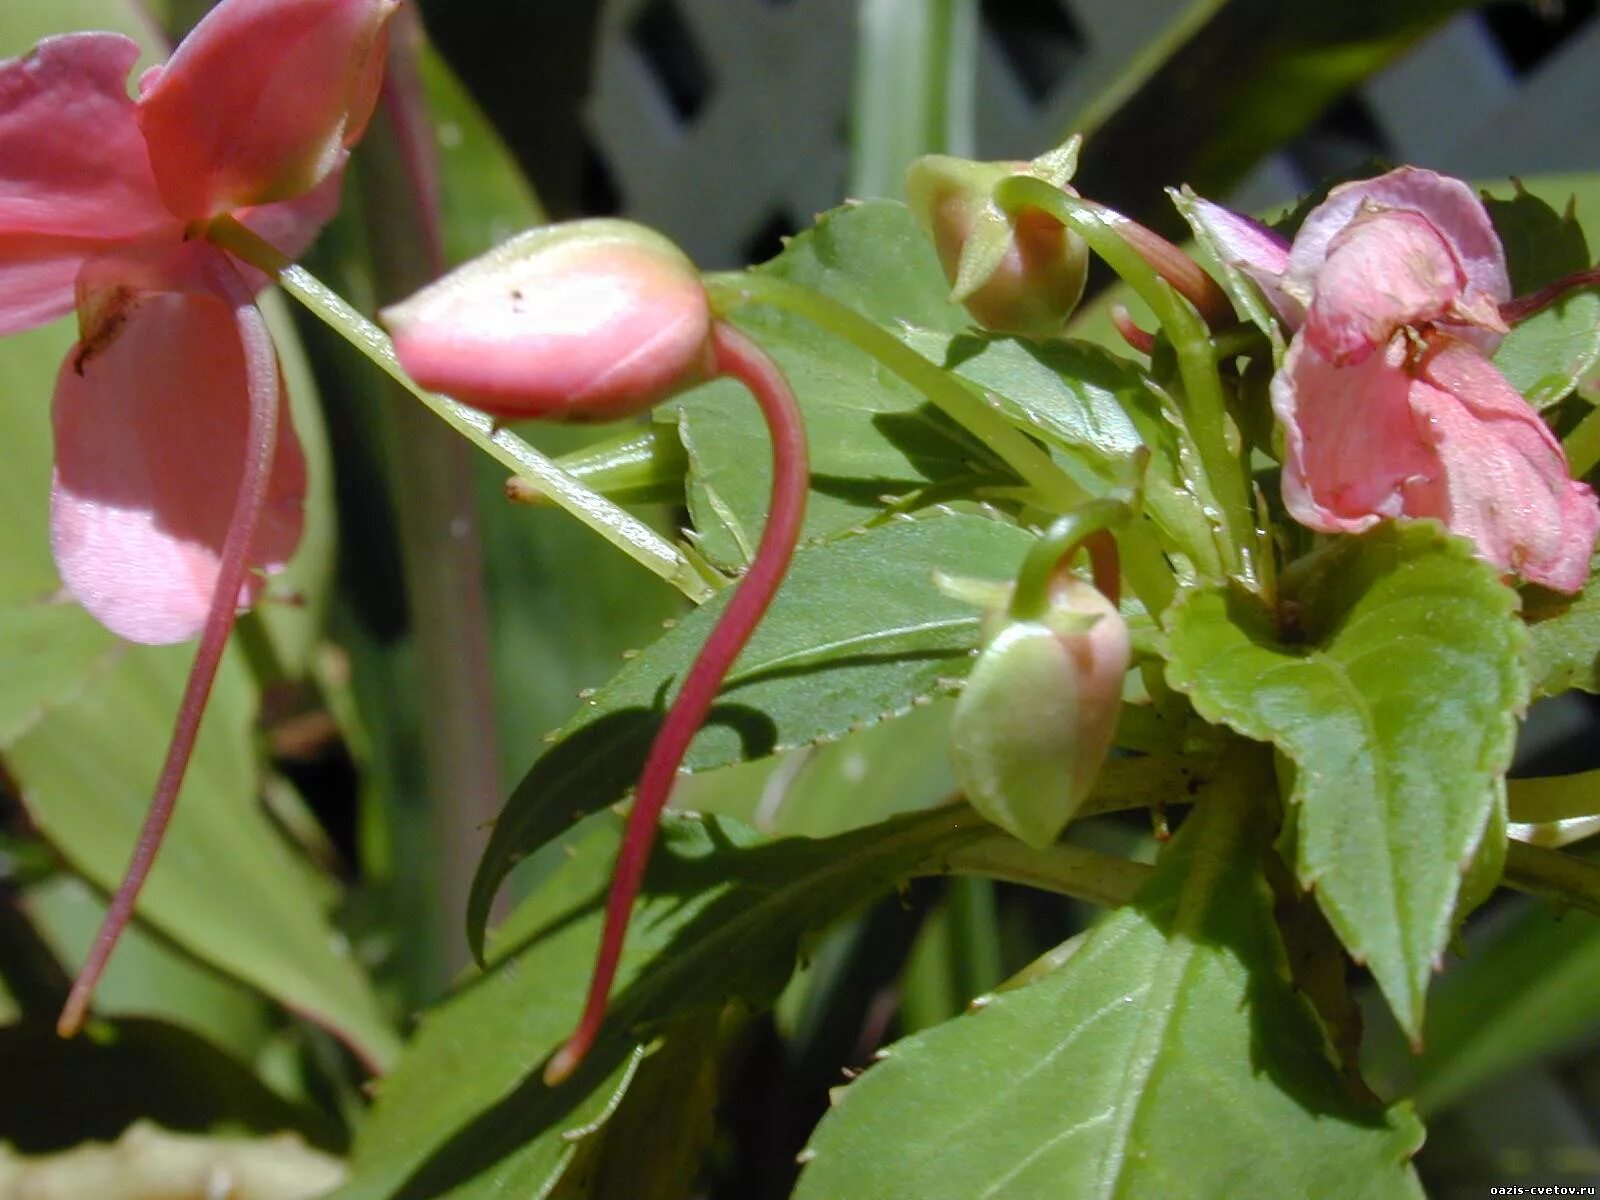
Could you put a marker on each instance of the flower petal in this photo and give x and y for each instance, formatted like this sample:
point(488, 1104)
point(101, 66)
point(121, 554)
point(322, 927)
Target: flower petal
point(1504, 481)
point(1253, 248)
point(1352, 446)
point(74, 175)
point(261, 100)
point(1448, 204)
point(1386, 269)
point(150, 421)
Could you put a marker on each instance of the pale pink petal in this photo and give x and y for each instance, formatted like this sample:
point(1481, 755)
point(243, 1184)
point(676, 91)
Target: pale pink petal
point(150, 420)
point(1504, 481)
point(1352, 448)
point(261, 100)
point(1385, 270)
point(1253, 248)
point(74, 176)
point(1448, 204)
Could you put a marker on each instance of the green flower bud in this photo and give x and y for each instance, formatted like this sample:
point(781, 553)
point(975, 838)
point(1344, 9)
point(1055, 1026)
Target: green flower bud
point(1036, 719)
point(1022, 275)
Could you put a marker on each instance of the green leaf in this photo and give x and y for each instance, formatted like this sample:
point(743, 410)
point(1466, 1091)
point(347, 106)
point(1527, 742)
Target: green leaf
point(1564, 639)
point(466, 1114)
point(858, 632)
point(1541, 244)
point(146, 977)
point(24, 22)
point(1089, 404)
point(84, 735)
point(1088, 1082)
point(1546, 355)
point(1397, 699)
point(869, 432)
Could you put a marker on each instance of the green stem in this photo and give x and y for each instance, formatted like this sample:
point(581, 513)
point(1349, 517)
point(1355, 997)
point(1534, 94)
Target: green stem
point(1069, 870)
point(1563, 878)
point(1583, 444)
point(1148, 574)
point(1553, 798)
point(1205, 407)
point(1087, 526)
point(624, 531)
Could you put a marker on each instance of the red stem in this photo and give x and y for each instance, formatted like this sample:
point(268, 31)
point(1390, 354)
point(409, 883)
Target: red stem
point(739, 357)
point(1524, 307)
point(261, 442)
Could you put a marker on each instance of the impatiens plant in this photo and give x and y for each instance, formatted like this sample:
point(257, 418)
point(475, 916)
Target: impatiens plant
point(177, 471)
point(1087, 714)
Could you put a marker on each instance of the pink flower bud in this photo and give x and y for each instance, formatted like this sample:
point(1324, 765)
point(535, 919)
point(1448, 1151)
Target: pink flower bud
point(1024, 276)
point(588, 321)
point(1035, 721)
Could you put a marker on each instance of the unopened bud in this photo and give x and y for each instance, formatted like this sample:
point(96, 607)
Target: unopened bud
point(1014, 275)
point(587, 321)
point(1035, 721)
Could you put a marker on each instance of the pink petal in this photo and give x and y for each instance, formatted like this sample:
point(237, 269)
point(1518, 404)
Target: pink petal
point(1352, 446)
point(1253, 248)
point(1504, 481)
point(74, 175)
point(261, 100)
point(1385, 270)
point(1448, 204)
point(588, 321)
point(150, 418)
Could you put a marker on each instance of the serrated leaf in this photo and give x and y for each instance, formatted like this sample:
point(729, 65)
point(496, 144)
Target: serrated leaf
point(1088, 1082)
point(1546, 355)
point(1398, 704)
point(870, 433)
point(465, 1114)
point(1091, 405)
point(858, 631)
point(1541, 244)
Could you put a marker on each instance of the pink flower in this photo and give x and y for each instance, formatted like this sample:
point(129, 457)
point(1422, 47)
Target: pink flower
point(100, 197)
point(1389, 403)
point(177, 472)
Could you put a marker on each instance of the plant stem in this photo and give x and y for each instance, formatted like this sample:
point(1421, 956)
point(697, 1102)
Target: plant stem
point(1564, 878)
point(630, 535)
point(441, 551)
point(1055, 490)
point(1086, 527)
point(1205, 408)
point(260, 448)
point(739, 358)
point(951, 396)
point(1070, 870)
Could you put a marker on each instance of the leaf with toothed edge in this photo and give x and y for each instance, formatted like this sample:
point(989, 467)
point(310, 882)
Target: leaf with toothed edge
point(870, 433)
point(858, 631)
point(1397, 701)
point(1090, 1081)
point(719, 924)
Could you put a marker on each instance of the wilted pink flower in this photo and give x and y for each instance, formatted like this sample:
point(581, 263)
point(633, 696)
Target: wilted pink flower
point(99, 198)
point(1389, 404)
point(177, 471)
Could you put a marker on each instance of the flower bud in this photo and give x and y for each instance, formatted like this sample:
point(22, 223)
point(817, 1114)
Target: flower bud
point(587, 321)
point(1020, 275)
point(1035, 721)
